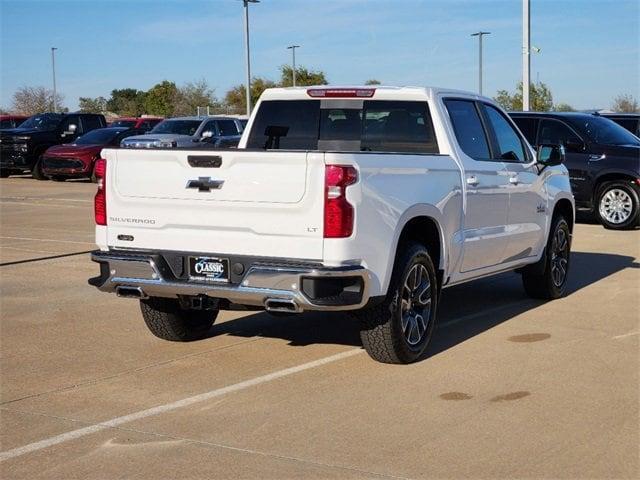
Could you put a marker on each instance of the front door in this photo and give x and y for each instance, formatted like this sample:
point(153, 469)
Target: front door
point(484, 233)
point(527, 215)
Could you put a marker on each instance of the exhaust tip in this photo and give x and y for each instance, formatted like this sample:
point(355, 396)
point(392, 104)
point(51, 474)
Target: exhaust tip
point(281, 305)
point(131, 292)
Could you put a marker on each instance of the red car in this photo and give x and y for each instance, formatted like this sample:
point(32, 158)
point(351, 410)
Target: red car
point(11, 121)
point(144, 123)
point(77, 159)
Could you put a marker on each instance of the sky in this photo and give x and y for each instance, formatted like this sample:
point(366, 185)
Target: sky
point(590, 49)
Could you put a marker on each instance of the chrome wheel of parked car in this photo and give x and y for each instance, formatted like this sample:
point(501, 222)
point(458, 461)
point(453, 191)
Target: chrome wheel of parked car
point(559, 257)
point(616, 206)
point(416, 304)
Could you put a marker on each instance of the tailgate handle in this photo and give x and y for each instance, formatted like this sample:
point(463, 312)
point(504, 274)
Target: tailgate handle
point(205, 161)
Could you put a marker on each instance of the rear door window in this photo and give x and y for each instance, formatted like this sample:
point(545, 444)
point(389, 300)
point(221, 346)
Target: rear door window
point(286, 124)
point(554, 132)
point(90, 122)
point(468, 128)
point(391, 126)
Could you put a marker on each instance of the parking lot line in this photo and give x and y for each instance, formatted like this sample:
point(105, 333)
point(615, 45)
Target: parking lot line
point(39, 259)
point(114, 422)
point(46, 240)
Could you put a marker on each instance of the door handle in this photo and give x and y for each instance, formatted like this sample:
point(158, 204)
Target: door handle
point(597, 158)
point(514, 180)
point(472, 180)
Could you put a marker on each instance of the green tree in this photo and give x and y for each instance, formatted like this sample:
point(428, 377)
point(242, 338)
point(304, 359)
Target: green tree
point(92, 105)
point(304, 77)
point(625, 103)
point(126, 102)
point(193, 95)
point(563, 107)
point(159, 99)
point(235, 99)
point(372, 81)
point(540, 98)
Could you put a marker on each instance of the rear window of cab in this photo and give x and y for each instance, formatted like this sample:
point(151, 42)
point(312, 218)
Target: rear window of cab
point(367, 126)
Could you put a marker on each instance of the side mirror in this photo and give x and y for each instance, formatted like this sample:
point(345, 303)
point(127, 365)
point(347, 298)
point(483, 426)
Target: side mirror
point(550, 155)
point(71, 129)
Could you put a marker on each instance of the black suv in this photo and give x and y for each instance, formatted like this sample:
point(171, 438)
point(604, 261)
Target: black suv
point(21, 148)
point(602, 157)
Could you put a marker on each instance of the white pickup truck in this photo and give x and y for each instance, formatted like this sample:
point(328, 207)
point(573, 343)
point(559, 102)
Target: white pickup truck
point(364, 199)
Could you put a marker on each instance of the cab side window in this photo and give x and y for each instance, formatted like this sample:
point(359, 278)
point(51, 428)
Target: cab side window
point(554, 132)
point(508, 142)
point(227, 128)
point(468, 128)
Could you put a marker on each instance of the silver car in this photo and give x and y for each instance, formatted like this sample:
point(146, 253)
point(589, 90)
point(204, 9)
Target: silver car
point(190, 132)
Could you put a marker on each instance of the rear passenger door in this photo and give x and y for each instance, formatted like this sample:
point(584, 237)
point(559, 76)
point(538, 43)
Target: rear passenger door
point(485, 180)
point(526, 219)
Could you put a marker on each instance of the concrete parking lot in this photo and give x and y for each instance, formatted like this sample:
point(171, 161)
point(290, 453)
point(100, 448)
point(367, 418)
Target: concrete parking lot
point(512, 387)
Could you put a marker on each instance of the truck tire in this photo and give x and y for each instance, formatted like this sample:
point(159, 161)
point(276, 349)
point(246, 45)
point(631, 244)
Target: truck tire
point(167, 320)
point(399, 329)
point(618, 205)
point(36, 171)
point(547, 279)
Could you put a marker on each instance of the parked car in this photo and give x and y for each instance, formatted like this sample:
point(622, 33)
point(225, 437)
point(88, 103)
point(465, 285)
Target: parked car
point(363, 199)
point(630, 121)
point(21, 148)
point(603, 161)
point(11, 121)
point(142, 123)
point(77, 159)
point(189, 132)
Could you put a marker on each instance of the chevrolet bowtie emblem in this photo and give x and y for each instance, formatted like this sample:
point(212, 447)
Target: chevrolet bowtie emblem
point(205, 184)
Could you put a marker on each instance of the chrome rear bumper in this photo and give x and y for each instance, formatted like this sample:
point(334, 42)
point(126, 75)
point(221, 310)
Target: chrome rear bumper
point(273, 287)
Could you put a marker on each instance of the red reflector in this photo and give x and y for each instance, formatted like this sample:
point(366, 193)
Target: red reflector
point(341, 92)
point(100, 200)
point(338, 212)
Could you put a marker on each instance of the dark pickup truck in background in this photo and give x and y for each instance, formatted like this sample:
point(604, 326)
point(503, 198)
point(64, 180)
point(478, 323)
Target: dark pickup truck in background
point(602, 157)
point(21, 149)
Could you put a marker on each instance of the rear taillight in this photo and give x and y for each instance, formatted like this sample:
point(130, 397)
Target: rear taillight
point(338, 212)
point(100, 200)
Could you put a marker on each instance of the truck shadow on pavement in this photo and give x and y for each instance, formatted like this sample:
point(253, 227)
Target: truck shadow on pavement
point(465, 310)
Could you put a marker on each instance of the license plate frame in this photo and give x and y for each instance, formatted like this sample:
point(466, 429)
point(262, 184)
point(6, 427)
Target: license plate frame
point(208, 269)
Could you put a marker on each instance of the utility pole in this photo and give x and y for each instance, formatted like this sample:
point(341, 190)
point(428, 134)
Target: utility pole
point(480, 35)
point(53, 69)
point(526, 53)
point(246, 42)
point(293, 52)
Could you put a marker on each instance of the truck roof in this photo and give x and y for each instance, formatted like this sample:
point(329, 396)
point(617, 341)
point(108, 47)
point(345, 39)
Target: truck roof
point(378, 92)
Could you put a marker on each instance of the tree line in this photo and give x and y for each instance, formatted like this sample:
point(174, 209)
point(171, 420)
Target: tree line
point(167, 99)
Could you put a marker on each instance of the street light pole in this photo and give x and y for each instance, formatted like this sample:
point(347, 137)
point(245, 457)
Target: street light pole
point(526, 53)
point(53, 69)
point(480, 35)
point(293, 52)
point(246, 42)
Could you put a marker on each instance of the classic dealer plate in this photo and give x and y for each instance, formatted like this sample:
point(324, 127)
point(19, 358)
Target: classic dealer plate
point(209, 269)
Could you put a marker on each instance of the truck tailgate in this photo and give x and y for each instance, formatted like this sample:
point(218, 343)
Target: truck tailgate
point(258, 203)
